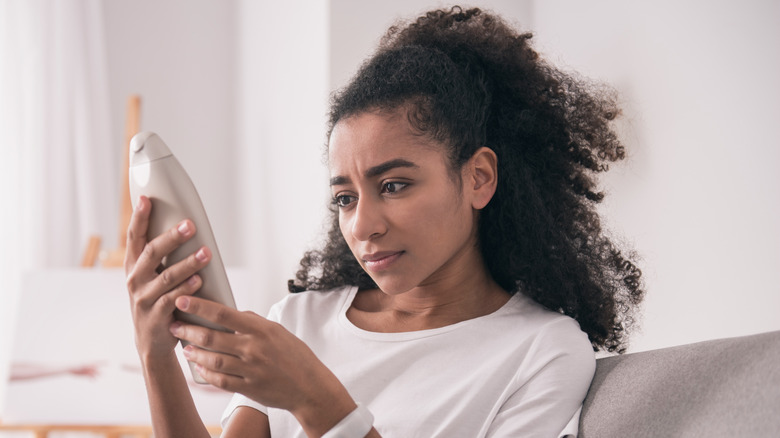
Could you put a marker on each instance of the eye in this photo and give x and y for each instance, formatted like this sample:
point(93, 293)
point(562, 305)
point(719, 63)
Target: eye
point(393, 187)
point(343, 200)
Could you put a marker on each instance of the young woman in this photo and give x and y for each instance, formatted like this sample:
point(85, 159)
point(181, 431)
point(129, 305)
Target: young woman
point(466, 279)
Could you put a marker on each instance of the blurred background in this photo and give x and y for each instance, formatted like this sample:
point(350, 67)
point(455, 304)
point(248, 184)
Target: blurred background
point(239, 90)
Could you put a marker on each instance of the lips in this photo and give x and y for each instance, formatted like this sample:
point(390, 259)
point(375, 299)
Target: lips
point(380, 261)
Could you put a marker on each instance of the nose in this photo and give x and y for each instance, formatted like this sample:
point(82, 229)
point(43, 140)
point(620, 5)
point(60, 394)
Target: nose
point(368, 220)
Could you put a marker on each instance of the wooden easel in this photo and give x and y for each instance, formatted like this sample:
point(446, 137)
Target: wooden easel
point(116, 257)
point(108, 431)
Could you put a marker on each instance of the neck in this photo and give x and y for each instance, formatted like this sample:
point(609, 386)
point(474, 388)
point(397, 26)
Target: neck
point(451, 295)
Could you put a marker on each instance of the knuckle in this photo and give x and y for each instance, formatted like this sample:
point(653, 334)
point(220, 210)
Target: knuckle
point(131, 234)
point(245, 353)
point(150, 251)
point(131, 282)
point(252, 355)
point(142, 303)
point(205, 338)
point(166, 301)
point(218, 362)
point(166, 278)
point(221, 316)
point(220, 381)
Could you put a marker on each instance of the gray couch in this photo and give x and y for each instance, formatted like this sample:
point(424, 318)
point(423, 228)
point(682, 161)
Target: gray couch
point(720, 388)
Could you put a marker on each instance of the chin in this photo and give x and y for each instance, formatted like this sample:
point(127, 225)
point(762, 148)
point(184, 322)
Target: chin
point(392, 287)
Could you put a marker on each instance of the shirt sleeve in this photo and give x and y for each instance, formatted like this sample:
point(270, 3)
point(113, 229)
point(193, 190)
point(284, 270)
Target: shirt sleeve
point(241, 400)
point(237, 401)
point(549, 394)
point(573, 427)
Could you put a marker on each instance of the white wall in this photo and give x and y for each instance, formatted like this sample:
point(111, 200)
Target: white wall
point(700, 195)
point(180, 56)
point(357, 26)
point(283, 58)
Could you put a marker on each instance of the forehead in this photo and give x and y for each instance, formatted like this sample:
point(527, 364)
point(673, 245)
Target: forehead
point(370, 138)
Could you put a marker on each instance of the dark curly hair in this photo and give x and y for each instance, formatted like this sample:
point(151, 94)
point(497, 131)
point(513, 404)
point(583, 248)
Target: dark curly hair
point(467, 79)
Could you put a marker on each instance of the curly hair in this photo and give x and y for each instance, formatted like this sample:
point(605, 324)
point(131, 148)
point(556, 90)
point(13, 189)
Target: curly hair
point(467, 80)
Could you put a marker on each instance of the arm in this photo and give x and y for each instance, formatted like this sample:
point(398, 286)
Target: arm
point(553, 389)
point(263, 361)
point(152, 295)
point(244, 421)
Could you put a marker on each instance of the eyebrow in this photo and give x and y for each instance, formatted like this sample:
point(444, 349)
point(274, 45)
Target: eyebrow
point(376, 170)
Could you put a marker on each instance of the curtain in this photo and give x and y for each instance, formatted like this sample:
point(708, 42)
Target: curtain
point(58, 184)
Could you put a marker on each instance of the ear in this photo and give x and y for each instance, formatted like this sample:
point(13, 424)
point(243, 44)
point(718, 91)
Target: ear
point(481, 177)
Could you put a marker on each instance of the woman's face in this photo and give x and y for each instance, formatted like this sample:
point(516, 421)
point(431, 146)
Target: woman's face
point(401, 210)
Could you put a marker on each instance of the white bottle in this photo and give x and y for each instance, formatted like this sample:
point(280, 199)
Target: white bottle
point(157, 174)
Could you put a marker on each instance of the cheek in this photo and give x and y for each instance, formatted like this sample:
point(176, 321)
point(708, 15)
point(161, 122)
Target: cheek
point(344, 228)
point(439, 218)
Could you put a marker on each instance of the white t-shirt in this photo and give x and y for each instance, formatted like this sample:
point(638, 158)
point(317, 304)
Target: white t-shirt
point(521, 371)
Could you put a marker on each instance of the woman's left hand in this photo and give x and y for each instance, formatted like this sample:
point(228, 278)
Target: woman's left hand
point(263, 361)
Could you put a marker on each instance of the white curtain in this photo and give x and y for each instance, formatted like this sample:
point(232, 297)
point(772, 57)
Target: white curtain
point(57, 179)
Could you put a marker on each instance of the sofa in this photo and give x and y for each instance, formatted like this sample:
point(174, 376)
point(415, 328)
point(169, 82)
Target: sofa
point(720, 388)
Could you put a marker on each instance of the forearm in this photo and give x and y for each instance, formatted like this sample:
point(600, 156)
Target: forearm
point(294, 379)
point(338, 416)
point(173, 410)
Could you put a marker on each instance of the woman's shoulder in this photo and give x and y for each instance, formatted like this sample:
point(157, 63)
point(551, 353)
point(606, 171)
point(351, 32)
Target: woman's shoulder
point(523, 307)
point(546, 327)
point(311, 303)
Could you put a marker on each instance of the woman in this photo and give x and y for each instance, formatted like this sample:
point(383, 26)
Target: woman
point(466, 279)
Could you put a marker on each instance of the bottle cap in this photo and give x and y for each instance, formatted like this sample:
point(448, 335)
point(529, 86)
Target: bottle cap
point(146, 147)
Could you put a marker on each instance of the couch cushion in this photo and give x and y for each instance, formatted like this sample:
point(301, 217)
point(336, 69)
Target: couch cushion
point(724, 387)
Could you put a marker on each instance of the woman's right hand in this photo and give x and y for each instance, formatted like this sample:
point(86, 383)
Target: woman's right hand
point(152, 292)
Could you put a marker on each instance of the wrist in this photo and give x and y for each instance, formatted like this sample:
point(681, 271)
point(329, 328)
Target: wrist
point(152, 361)
point(357, 424)
point(322, 403)
point(316, 420)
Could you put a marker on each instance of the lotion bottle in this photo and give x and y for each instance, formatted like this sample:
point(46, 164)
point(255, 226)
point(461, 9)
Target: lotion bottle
point(157, 174)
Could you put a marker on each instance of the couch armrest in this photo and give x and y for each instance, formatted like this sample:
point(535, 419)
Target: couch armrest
point(724, 387)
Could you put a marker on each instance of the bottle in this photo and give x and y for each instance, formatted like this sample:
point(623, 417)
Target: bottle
point(155, 173)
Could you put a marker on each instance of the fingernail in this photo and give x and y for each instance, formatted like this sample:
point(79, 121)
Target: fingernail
point(187, 350)
point(182, 303)
point(192, 281)
point(185, 229)
point(202, 255)
point(174, 328)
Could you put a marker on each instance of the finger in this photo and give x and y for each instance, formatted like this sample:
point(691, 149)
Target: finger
point(136, 231)
point(165, 301)
point(205, 337)
point(154, 251)
point(242, 322)
point(215, 361)
point(161, 302)
point(173, 276)
point(226, 382)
